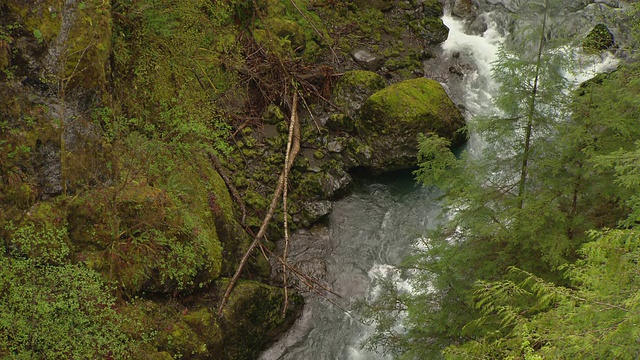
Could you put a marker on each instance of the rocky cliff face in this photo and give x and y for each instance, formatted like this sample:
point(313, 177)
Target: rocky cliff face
point(111, 110)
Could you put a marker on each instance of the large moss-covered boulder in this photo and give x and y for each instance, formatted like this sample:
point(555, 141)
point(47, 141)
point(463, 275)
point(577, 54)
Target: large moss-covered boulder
point(172, 234)
point(391, 118)
point(192, 329)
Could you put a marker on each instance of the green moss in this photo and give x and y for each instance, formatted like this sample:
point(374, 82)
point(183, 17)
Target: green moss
point(253, 315)
point(176, 330)
point(351, 90)
point(159, 238)
point(598, 39)
point(366, 80)
point(391, 118)
point(432, 8)
point(382, 5)
point(289, 30)
point(90, 46)
point(408, 102)
point(431, 29)
point(41, 18)
point(273, 114)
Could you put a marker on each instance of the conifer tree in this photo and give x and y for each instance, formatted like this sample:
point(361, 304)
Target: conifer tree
point(524, 201)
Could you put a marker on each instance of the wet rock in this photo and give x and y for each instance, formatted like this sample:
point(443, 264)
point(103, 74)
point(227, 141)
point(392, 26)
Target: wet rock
point(456, 71)
point(314, 268)
point(478, 26)
point(464, 9)
point(49, 168)
point(316, 210)
point(429, 8)
point(367, 60)
point(336, 183)
point(430, 29)
point(391, 118)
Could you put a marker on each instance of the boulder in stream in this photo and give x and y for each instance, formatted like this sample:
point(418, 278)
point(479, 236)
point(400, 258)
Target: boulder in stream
point(391, 118)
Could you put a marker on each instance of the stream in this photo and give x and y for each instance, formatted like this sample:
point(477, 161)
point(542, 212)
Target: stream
point(373, 229)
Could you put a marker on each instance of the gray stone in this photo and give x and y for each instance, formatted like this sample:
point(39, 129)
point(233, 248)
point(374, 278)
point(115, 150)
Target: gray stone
point(335, 146)
point(316, 210)
point(336, 183)
point(464, 9)
point(367, 60)
point(49, 168)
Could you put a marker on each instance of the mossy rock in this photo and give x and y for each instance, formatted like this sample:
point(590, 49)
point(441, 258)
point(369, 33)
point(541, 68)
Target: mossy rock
point(287, 29)
point(353, 88)
point(391, 118)
point(142, 237)
point(42, 18)
point(430, 29)
point(76, 36)
point(178, 234)
point(90, 46)
point(176, 330)
point(430, 8)
point(29, 148)
point(192, 329)
point(253, 318)
point(382, 5)
point(598, 40)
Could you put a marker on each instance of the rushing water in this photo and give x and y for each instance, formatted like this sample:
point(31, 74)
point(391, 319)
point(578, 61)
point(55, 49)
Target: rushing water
point(372, 230)
point(367, 231)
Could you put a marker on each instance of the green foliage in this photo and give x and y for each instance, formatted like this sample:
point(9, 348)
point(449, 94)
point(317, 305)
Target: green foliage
point(495, 280)
point(47, 244)
point(55, 312)
point(437, 162)
point(598, 40)
point(38, 35)
point(174, 99)
point(594, 319)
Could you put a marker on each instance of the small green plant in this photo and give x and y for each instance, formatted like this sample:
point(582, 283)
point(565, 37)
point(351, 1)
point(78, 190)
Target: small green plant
point(55, 312)
point(38, 35)
point(39, 244)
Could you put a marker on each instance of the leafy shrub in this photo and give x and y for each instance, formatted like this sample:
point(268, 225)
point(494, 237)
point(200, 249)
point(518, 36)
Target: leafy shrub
point(57, 312)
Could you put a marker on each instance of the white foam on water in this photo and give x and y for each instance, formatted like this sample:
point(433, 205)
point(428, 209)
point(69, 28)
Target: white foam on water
point(483, 49)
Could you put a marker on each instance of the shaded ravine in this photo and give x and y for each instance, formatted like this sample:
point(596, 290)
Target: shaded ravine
point(372, 230)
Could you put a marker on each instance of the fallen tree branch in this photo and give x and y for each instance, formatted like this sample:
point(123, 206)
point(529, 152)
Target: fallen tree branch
point(285, 187)
point(295, 147)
